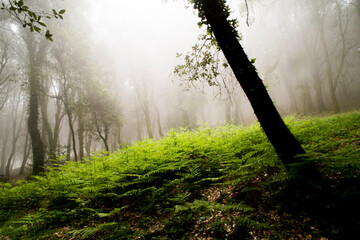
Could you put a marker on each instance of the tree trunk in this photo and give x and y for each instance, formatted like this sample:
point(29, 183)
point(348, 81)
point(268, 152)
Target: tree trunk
point(16, 134)
point(68, 147)
point(138, 126)
point(147, 119)
point(286, 145)
point(71, 127)
point(5, 139)
point(88, 145)
point(319, 95)
point(81, 136)
point(47, 131)
point(161, 134)
point(35, 60)
point(25, 155)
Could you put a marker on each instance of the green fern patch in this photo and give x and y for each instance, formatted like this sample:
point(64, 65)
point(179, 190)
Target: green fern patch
point(221, 183)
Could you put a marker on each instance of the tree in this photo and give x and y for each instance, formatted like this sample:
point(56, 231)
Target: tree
point(105, 111)
point(36, 50)
point(36, 55)
point(214, 13)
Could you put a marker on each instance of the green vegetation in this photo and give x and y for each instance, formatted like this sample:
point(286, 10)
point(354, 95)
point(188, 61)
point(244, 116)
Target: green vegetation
point(223, 183)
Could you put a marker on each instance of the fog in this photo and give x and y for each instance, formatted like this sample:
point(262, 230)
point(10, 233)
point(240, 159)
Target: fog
point(108, 79)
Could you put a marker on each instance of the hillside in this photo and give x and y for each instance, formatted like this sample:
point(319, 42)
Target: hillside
point(223, 183)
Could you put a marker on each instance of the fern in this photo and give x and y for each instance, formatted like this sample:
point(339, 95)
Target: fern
point(88, 232)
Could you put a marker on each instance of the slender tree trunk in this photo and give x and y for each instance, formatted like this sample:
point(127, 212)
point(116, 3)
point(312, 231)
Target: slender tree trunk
point(286, 145)
point(68, 148)
point(71, 126)
point(118, 138)
point(104, 137)
point(161, 134)
point(81, 136)
point(87, 145)
point(47, 131)
point(59, 115)
point(147, 119)
point(5, 139)
point(16, 134)
point(319, 95)
point(25, 155)
point(144, 103)
point(138, 126)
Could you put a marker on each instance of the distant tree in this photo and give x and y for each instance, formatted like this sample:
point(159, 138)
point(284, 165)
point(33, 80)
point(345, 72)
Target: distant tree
point(5, 76)
point(17, 116)
point(105, 113)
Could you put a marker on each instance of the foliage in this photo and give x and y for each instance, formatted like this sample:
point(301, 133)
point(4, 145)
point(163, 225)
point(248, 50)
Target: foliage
point(206, 63)
point(205, 183)
point(29, 18)
point(198, 5)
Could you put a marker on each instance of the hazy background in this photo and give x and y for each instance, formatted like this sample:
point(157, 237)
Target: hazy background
point(114, 60)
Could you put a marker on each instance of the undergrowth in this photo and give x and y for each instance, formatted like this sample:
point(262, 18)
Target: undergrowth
point(222, 183)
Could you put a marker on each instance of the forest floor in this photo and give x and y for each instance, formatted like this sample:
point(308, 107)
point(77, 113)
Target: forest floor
point(222, 183)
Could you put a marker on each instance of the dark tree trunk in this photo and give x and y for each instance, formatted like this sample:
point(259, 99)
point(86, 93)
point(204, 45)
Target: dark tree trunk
point(35, 60)
point(286, 145)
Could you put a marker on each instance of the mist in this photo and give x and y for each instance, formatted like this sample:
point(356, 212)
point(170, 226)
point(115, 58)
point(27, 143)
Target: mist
point(108, 79)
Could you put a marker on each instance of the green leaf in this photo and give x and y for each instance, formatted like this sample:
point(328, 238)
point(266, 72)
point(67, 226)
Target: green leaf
point(62, 11)
point(20, 3)
point(42, 24)
point(37, 29)
point(47, 33)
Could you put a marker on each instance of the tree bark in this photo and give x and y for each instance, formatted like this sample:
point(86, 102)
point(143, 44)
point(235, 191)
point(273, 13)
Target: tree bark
point(35, 60)
point(284, 142)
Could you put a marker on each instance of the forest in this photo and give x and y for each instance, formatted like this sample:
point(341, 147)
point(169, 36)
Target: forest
point(197, 119)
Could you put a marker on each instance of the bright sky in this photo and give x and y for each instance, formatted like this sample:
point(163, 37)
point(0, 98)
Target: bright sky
point(143, 30)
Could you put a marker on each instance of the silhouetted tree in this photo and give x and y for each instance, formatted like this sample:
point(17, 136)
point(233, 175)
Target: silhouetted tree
point(214, 13)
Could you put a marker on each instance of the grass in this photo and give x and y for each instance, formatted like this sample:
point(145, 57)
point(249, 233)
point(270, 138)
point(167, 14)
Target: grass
point(223, 183)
